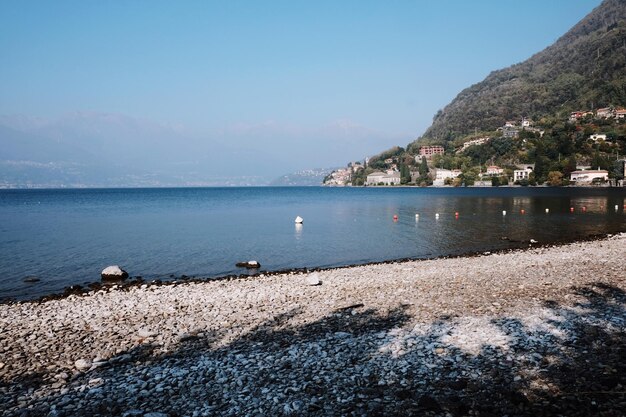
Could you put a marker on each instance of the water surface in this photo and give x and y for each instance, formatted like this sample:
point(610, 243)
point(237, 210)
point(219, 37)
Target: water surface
point(67, 237)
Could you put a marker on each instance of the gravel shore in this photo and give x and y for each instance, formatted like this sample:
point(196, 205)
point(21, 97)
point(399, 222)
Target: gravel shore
point(539, 331)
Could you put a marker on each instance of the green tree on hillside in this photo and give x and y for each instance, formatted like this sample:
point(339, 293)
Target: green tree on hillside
point(423, 168)
point(405, 174)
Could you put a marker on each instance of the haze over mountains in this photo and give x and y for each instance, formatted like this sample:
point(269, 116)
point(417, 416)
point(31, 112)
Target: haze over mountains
point(89, 149)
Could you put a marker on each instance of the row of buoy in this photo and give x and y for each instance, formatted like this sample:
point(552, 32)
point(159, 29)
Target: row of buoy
point(504, 212)
point(299, 220)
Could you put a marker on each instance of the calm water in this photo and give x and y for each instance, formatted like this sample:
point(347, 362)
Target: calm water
point(67, 237)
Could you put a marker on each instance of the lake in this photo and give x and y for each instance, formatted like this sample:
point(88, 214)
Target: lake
point(66, 237)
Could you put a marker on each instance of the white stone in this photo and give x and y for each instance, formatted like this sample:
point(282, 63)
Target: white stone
point(113, 272)
point(145, 333)
point(313, 279)
point(96, 381)
point(82, 364)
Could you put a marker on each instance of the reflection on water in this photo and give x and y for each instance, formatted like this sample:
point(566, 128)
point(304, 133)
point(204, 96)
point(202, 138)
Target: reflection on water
point(298, 231)
point(68, 236)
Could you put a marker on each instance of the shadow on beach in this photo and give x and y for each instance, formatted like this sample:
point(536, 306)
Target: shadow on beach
point(358, 361)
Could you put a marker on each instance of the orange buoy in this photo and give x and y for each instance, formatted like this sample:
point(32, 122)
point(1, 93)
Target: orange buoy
point(584, 208)
point(571, 209)
point(522, 211)
point(395, 217)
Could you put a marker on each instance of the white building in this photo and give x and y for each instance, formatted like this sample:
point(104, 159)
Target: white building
point(521, 174)
point(587, 177)
point(378, 177)
point(478, 141)
point(441, 175)
point(339, 177)
point(605, 113)
point(494, 170)
point(596, 137)
point(375, 178)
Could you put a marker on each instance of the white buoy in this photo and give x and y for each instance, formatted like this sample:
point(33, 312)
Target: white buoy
point(504, 212)
point(547, 210)
point(299, 220)
point(436, 215)
point(417, 216)
point(616, 207)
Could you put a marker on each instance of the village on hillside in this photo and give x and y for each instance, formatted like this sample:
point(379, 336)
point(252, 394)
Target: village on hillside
point(586, 149)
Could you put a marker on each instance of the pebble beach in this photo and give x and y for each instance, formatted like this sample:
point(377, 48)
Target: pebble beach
point(535, 331)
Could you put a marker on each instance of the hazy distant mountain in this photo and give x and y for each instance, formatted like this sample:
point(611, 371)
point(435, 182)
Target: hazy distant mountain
point(308, 177)
point(585, 68)
point(87, 149)
point(110, 150)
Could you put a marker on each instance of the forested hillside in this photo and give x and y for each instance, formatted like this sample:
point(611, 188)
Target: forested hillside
point(583, 70)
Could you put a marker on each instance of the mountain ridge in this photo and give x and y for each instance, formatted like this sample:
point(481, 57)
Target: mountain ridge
point(584, 68)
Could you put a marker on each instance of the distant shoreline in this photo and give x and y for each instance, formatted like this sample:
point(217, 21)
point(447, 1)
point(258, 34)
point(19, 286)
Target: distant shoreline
point(369, 187)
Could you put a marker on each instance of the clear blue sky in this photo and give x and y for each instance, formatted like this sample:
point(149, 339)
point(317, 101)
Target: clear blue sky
point(214, 66)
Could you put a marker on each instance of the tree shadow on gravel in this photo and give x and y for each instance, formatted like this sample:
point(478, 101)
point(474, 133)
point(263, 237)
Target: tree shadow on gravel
point(566, 360)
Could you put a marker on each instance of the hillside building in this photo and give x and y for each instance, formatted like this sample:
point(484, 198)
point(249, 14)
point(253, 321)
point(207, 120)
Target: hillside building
point(428, 151)
point(521, 174)
point(494, 170)
point(478, 141)
point(577, 115)
point(596, 137)
point(605, 113)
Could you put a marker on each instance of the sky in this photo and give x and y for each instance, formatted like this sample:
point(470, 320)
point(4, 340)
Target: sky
point(352, 77)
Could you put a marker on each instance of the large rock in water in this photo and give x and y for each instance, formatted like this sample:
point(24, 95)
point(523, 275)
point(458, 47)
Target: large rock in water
point(249, 265)
point(113, 273)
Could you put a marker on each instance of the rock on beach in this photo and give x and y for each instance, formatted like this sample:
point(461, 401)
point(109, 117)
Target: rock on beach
point(113, 273)
point(313, 279)
point(248, 264)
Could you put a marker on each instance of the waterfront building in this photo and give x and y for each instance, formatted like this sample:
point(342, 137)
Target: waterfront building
point(588, 176)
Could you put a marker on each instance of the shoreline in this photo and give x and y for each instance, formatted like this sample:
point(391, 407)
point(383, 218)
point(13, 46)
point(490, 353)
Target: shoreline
point(137, 281)
point(519, 332)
